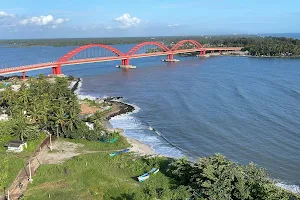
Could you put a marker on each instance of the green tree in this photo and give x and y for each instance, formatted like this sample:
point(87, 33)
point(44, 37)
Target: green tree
point(181, 169)
point(60, 120)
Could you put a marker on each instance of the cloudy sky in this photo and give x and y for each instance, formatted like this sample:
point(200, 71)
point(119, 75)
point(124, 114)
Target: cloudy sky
point(99, 18)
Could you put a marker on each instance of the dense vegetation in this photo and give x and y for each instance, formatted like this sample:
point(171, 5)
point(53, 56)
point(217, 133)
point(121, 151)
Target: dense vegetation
point(272, 46)
point(257, 46)
point(52, 107)
point(218, 178)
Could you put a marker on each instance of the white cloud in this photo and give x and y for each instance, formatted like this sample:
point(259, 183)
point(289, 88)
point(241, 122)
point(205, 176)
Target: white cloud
point(127, 21)
point(173, 25)
point(108, 27)
point(60, 21)
point(43, 20)
point(5, 14)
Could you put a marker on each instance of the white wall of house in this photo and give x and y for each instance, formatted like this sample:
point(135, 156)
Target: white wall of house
point(17, 149)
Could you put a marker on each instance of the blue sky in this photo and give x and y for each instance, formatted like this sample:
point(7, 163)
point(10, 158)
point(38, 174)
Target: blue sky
point(117, 18)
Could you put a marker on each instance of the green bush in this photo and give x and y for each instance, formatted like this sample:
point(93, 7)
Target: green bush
point(216, 177)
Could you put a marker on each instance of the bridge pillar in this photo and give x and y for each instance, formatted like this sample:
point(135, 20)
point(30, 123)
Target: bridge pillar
point(202, 53)
point(56, 71)
point(125, 64)
point(170, 58)
point(125, 61)
point(24, 75)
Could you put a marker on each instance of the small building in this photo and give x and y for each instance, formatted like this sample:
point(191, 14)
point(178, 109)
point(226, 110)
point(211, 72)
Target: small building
point(15, 146)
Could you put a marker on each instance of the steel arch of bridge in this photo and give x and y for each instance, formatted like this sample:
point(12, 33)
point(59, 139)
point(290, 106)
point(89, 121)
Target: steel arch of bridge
point(69, 55)
point(131, 52)
point(134, 49)
point(182, 42)
point(72, 53)
point(124, 57)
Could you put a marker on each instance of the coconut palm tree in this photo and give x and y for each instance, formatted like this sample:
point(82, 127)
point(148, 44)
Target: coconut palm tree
point(60, 119)
point(8, 95)
point(97, 120)
point(24, 95)
point(73, 122)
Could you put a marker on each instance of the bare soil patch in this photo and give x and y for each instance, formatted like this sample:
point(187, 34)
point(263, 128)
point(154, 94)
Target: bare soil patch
point(61, 151)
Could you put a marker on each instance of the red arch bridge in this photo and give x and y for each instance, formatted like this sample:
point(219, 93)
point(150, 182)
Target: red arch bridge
point(100, 53)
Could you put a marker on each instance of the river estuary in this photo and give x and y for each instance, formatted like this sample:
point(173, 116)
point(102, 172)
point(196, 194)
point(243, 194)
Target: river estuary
point(247, 109)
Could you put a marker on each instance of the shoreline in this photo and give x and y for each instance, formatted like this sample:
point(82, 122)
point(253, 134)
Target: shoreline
point(136, 146)
point(118, 108)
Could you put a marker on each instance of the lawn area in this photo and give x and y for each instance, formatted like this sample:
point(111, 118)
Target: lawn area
point(98, 176)
point(2, 85)
point(121, 143)
point(12, 163)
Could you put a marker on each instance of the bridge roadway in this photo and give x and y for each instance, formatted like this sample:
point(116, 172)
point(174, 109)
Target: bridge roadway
point(26, 68)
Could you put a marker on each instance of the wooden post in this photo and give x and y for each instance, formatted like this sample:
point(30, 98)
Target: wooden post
point(50, 143)
point(30, 177)
point(57, 131)
point(8, 198)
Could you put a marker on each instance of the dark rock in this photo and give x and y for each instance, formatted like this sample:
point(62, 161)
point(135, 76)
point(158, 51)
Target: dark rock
point(123, 109)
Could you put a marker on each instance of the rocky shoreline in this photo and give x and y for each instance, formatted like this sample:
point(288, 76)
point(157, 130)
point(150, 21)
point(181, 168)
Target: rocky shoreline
point(122, 108)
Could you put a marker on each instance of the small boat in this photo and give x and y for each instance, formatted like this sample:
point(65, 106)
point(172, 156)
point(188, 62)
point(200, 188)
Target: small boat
point(147, 175)
point(119, 152)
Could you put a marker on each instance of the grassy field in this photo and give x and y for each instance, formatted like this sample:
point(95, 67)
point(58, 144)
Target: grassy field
point(15, 161)
point(99, 176)
point(121, 143)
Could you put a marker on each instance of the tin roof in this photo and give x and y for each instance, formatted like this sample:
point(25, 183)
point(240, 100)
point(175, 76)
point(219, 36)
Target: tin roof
point(14, 143)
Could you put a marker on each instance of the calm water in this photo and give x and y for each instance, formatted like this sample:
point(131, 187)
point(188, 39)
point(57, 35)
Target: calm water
point(248, 109)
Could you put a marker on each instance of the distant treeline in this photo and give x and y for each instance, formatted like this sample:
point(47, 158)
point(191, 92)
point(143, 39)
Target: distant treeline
point(256, 45)
point(211, 40)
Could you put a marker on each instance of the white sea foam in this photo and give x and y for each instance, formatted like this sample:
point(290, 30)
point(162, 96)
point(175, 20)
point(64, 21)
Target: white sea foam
point(77, 91)
point(136, 129)
point(83, 96)
point(292, 188)
point(72, 84)
point(80, 95)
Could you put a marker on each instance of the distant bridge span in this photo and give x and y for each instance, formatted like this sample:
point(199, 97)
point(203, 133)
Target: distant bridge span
point(161, 49)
